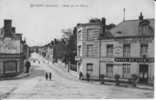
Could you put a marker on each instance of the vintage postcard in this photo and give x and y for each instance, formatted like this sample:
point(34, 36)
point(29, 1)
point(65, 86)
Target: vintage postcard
point(77, 49)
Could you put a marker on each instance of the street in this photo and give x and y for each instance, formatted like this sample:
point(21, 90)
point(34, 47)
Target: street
point(62, 85)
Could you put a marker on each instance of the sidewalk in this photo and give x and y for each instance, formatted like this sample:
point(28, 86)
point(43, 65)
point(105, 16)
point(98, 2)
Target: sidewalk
point(22, 75)
point(64, 68)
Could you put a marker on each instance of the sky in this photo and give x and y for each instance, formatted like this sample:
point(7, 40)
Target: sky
point(40, 21)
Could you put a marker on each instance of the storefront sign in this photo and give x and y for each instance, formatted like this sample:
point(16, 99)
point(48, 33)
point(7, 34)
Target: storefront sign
point(103, 59)
point(134, 59)
point(10, 46)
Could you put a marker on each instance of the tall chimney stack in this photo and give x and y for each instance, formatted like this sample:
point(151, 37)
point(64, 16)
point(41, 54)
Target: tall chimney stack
point(124, 14)
point(103, 24)
point(141, 17)
point(7, 28)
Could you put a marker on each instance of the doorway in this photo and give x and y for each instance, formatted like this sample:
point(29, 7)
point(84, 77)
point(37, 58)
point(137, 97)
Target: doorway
point(143, 73)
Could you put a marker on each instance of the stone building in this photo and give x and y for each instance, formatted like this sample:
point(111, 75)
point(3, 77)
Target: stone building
point(87, 47)
point(125, 50)
point(12, 49)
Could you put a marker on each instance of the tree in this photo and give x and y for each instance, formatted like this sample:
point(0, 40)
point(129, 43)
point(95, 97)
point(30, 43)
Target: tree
point(67, 33)
point(70, 41)
point(110, 26)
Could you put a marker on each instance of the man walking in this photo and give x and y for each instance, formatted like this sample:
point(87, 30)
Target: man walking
point(46, 76)
point(50, 76)
point(80, 75)
point(27, 65)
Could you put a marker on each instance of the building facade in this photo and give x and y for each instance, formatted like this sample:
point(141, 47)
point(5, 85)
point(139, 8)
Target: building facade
point(87, 47)
point(126, 49)
point(12, 49)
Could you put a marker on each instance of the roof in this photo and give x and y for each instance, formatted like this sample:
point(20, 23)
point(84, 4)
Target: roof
point(131, 28)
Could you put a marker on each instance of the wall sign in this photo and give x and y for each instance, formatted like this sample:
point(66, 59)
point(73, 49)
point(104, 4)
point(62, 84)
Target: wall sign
point(10, 46)
point(134, 60)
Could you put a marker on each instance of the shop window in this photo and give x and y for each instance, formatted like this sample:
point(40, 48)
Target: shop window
point(109, 70)
point(109, 50)
point(126, 70)
point(10, 67)
point(143, 50)
point(126, 50)
point(89, 67)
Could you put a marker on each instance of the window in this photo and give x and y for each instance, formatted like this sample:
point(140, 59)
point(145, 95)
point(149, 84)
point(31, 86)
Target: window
point(109, 70)
point(92, 34)
point(126, 70)
point(143, 50)
point(79, 50)
point(79, 35)
point(109, 50)
point(10, 66)
point(89, 67)
point(89, 50)
point(126, 50)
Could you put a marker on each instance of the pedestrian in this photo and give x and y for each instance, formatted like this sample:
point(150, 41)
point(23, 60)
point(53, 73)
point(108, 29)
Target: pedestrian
point(46, 76)
point(80, 75)
point(88, 77)
point(50, 76)
point(27, 65)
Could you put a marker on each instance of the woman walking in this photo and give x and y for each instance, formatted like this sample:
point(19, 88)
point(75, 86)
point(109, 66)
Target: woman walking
point(46, 76)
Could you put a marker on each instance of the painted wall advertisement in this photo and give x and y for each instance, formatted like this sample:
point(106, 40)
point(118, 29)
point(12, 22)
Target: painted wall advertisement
point(10, 46)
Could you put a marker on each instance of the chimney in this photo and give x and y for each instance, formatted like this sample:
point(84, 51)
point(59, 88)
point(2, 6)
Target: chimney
point(13, 30)
point(55, 41)
point(7, 23)
point(141, 17)
point(7, 28)
point(103, 24)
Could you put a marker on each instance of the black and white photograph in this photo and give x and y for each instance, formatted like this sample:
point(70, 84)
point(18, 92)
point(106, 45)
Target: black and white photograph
point(77, 49)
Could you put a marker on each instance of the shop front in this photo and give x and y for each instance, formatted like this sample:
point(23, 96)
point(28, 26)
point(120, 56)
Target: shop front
point(142, 67)
point(11, 64)
point(11, 57)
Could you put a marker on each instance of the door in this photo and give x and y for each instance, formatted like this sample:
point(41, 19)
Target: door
point(89, 68)
point(143, 73)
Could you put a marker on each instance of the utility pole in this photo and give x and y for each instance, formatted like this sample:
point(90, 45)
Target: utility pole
point(99, 57)
point(123, 14)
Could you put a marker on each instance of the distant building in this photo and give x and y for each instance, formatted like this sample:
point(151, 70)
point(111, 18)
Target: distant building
point(13, 51)
point(125, 50)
